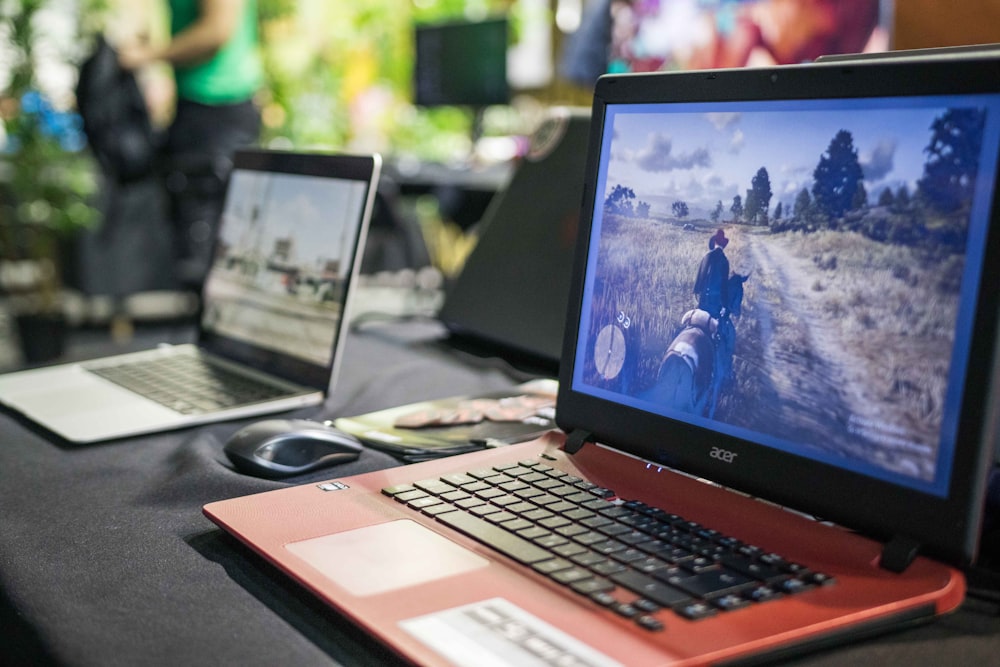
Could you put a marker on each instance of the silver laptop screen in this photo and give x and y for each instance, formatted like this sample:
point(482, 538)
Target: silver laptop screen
point(282, 262)
point(799, 274)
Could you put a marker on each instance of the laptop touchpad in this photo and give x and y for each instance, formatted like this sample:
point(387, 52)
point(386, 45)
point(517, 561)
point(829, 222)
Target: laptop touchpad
point(385, 557)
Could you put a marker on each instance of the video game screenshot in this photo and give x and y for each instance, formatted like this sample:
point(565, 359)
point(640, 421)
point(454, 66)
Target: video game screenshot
point(794, 273)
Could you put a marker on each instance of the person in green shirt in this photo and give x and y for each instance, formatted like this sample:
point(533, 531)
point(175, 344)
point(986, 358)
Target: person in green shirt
point(214, 54)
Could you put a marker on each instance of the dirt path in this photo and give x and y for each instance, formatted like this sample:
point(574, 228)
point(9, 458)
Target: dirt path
point(810, 380)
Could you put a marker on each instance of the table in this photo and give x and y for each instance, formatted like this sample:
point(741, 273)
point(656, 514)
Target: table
point(106, 559)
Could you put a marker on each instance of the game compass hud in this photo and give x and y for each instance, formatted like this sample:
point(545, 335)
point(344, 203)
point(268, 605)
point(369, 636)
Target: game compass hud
point(799, 274)
point(282, 259)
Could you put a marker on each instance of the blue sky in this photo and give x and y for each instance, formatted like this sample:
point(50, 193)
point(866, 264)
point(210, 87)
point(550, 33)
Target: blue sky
point(315, 211)
point(681, 152)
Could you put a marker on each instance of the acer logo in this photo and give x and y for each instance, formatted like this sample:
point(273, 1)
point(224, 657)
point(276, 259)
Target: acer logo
point(723, 455)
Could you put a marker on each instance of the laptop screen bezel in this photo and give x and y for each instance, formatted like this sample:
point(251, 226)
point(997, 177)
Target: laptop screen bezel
point(361, 168)
point(947, 527)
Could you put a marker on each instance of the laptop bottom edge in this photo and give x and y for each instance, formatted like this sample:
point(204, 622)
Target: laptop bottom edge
point(438, 596)
point(838, 639)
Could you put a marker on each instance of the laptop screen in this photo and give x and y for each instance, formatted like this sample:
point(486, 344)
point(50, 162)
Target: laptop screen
point(290, 232)
point(800, 274)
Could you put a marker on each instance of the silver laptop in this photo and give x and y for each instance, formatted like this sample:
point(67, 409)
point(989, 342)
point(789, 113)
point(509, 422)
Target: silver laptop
point(273, 312)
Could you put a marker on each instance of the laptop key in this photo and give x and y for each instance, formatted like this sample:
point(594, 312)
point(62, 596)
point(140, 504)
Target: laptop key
point(572, 575)
point(434, 510)
point(506, 543)
point(659, 592)
point(625, 609)
point(793, 586)
point(649, 623)
point(552, 565)
point(592, 586)
point(713, 583)
point(696, 611)
point(754, 568)
point(730, 602)
point(397, 489)
point(762, 594)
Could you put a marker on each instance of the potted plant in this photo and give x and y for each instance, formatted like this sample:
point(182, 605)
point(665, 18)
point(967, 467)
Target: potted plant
point(47, 178)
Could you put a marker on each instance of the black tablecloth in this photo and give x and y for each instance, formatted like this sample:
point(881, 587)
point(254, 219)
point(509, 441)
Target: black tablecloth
point(106, 559)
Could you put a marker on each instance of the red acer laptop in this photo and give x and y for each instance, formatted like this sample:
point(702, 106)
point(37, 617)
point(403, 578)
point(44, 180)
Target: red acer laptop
point(776, 393)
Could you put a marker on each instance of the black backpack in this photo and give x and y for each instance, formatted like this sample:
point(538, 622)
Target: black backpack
point(115, 117)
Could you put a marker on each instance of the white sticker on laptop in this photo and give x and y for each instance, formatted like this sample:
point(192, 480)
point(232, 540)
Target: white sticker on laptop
point(496, 633)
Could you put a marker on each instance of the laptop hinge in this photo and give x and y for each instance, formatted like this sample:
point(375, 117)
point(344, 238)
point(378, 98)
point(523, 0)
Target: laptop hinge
point(898, 553)
point(576, 440)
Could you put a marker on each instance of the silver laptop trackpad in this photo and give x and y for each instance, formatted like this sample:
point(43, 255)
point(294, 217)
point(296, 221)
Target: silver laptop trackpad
point(385, 557)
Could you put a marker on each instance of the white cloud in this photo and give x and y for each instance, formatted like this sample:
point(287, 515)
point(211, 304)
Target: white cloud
point(658, 156)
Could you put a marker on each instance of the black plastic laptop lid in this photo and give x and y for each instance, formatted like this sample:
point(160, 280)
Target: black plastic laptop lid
point(510, 297)
point(786, 283)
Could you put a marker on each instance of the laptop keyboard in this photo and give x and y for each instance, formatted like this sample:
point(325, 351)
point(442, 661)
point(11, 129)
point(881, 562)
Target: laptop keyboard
point(624, 555)
point(188, 384)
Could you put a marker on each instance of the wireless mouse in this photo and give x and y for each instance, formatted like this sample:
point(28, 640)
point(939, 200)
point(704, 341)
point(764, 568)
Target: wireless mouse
point(283, 447)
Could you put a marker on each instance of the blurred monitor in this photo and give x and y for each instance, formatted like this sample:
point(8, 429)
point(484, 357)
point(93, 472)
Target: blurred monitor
point(705, 34)
point(619, 36)
point(461, 63)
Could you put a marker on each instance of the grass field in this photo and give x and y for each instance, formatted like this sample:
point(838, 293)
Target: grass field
point(843, 342)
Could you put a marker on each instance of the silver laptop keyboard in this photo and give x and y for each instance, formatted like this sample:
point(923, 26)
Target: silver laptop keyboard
point(188, 384)
point(624, 555)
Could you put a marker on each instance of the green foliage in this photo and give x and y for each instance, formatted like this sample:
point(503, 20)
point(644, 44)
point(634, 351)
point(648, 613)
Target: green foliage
point(953, 159)
point(860, 198)
point(750, 207)
point(339, 75)
point(271, 10)
point(803, 204)
point(48, 180)
point(935, 219)
point(902, 198)
point(620, 201)
point(737, 208)
point(837, 177)
point(761, 187)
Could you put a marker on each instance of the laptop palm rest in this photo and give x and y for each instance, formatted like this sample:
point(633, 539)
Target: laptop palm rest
point(366, 561)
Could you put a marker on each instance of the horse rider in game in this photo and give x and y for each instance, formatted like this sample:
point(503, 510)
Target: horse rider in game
point(713, 276)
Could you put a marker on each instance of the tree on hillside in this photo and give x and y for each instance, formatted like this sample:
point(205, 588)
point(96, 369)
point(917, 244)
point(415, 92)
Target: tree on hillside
point(642, 210)
point(903, 198)
point(761, 188)
point(860, 199)
point(837, 176)
point(717, 213)
point(737, 208)
point(777, 212)
point(680, 209)
point(952, 159)
point(620, 201)
point(803, 204)
point(750, 207)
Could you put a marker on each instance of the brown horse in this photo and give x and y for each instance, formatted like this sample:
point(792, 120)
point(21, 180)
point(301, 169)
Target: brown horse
point(699, 360)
